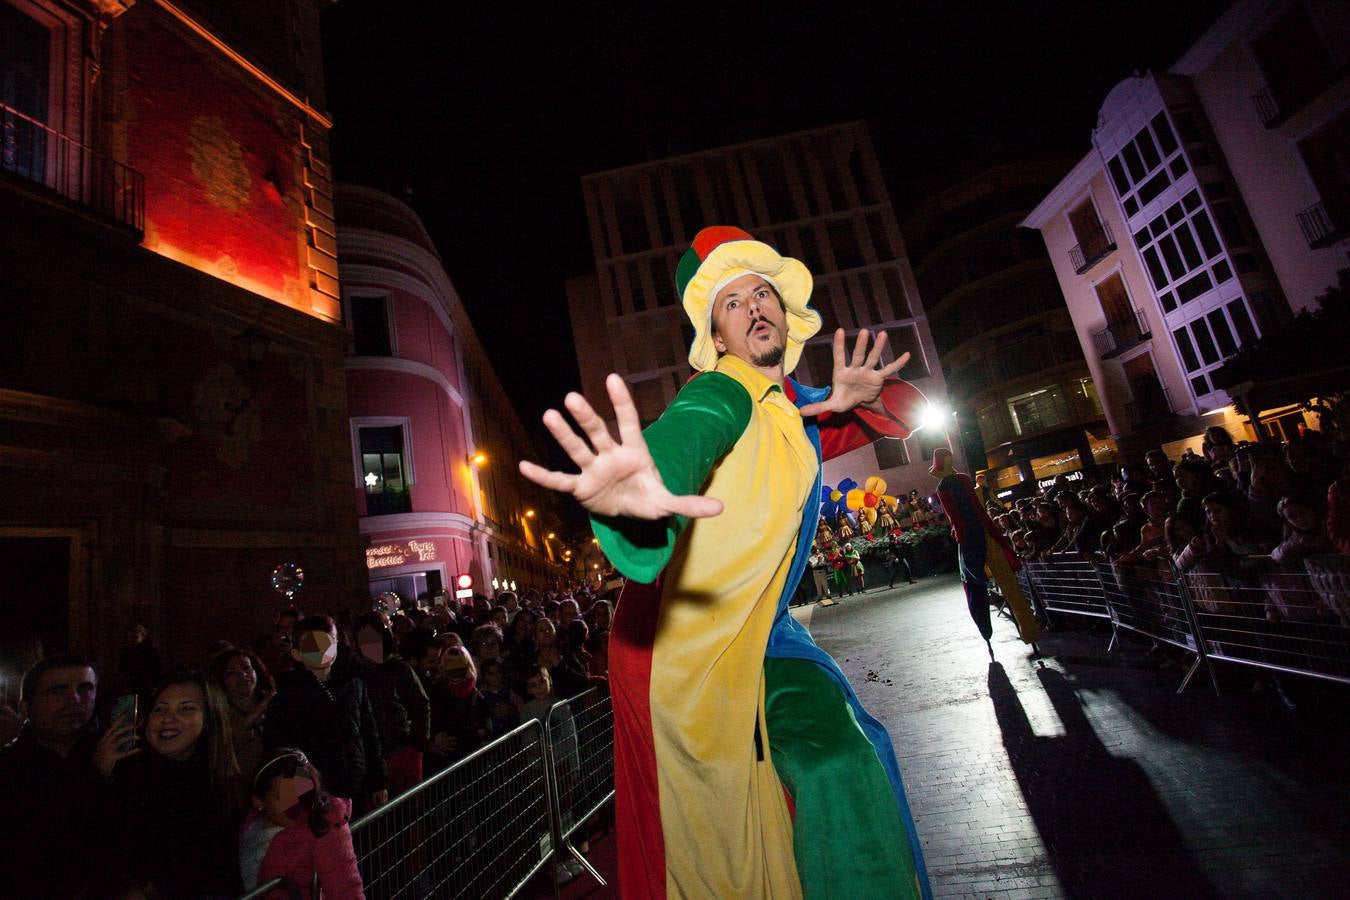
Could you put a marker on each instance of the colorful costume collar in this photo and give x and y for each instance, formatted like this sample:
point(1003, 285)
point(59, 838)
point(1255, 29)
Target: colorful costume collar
point(756, 383)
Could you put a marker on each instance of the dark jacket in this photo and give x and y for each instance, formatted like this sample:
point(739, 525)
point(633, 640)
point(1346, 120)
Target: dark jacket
point(49, 818)
point(163, 821)
point(334, 724)
point(402, 710)
point(459, 714)
point(569, 677)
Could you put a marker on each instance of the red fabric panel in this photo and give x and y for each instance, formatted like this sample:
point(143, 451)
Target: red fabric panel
point(840, 433)
point(637, 800)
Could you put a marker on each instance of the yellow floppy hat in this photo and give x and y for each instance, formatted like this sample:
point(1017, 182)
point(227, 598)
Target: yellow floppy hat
point(720, 254)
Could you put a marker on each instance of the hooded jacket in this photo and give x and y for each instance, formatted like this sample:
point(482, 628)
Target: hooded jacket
point(334, 723)
point(296, 854)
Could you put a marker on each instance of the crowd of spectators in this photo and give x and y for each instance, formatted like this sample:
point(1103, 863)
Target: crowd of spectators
point(1236, 507)
point(252, 764)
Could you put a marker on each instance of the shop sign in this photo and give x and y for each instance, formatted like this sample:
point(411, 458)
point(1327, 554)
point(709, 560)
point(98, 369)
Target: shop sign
point(384, 556)
point(1044, 483)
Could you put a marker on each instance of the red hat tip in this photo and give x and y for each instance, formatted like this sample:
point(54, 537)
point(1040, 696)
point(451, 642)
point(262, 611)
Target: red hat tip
point(709, 238)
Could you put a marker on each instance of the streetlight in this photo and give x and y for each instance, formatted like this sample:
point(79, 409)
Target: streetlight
point(551, 535)
point(529, 514)
point(477, 459)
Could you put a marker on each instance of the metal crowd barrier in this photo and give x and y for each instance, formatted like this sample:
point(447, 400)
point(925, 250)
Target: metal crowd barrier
point(289, 888)
point(1150, 598)
point(1068, 584)
point(1297, 622)
point(489, 823)
point(481, 828)
point(581, 758)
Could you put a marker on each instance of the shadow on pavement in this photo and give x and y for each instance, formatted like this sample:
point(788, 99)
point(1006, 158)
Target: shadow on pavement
point(1107, 832)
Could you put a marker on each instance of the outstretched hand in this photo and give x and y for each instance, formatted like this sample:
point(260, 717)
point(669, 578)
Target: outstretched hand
point(617, 478)
point(857, 381)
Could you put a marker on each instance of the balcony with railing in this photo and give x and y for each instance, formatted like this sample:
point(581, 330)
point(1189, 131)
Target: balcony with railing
point(1117, 337)
point(36, 153)
point(1152, 401)
point(1092, 248)
point(1318, 227)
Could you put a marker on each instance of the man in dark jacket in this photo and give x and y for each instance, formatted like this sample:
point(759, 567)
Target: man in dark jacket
point(49, 784)
point(326, 712)
point(397, 687)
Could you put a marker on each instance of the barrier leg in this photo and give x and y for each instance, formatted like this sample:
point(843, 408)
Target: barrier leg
point(1201, 657)
point(1190, 673)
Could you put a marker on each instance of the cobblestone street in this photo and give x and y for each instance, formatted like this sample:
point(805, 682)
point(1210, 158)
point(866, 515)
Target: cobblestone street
point(1084, 774)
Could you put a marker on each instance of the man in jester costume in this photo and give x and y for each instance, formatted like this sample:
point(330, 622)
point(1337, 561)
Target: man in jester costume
point(744, 764)
point(983, 550)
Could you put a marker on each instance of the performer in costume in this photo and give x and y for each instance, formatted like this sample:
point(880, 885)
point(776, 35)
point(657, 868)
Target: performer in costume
point(839, 571)
point(845, 530)
point(981, 545)
point(885, 521)
point(722, 702)
point(855, 566)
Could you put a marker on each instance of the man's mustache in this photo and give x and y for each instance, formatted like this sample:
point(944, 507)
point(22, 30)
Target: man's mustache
point(755, 324)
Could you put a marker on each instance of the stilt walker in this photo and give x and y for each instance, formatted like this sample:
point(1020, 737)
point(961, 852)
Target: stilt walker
point(982, 549)
point(744, 764)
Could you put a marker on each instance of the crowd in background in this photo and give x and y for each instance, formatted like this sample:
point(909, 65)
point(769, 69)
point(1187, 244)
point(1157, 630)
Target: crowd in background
point(209, 781)
point(1235, 507)
point(252, 765)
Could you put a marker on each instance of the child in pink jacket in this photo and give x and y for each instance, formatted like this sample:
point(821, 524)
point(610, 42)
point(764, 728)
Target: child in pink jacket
point(296, 830)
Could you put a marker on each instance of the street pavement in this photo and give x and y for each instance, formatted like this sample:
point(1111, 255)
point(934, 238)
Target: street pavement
point(1083, 774)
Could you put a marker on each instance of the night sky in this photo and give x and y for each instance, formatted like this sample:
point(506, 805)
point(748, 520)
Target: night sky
point(484, 116)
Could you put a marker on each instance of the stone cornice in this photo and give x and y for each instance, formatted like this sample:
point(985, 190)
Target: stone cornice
point(407, 367)
point(1079, 177)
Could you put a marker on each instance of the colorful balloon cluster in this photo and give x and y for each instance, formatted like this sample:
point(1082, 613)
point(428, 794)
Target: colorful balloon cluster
point(833, 498)
point(862, 501)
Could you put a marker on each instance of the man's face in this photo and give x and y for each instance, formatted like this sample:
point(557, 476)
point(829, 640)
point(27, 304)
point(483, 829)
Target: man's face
point(749, 322)
point(62, 703)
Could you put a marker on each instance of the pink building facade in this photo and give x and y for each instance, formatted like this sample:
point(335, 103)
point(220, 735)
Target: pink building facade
point(412, 438)
point(434, 438)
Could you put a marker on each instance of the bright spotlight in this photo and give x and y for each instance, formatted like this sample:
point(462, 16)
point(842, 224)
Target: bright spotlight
point(934, 417)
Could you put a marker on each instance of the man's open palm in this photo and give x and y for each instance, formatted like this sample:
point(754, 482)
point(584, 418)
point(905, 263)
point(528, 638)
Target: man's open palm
point(616, 478)
point(856, 382)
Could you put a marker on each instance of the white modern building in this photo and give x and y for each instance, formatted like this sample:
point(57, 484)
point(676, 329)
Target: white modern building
point(1211, 207)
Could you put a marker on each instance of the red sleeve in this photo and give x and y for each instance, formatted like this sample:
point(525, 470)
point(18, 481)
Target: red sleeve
point(842, 432)
point(949, 506)
point(335, 863)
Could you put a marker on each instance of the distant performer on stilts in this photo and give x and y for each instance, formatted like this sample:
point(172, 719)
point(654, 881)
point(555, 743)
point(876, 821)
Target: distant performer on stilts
point(982, 549)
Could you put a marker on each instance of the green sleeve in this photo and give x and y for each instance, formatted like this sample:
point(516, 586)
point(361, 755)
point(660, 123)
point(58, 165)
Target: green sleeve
point(705, 421)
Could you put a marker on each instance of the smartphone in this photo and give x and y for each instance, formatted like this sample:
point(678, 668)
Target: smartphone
point(124, 708)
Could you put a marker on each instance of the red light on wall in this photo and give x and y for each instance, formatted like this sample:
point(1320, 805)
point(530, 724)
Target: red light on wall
point(464, 582)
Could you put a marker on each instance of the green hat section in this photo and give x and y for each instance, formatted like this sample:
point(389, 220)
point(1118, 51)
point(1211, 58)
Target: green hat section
point(722, 250)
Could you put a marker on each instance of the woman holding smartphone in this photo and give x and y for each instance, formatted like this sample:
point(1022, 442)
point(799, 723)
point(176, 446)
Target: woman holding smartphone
point(177, 800)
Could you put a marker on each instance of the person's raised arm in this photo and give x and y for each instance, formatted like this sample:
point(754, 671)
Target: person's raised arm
point(642, 490)
point(617, 478)
point(857, 382)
